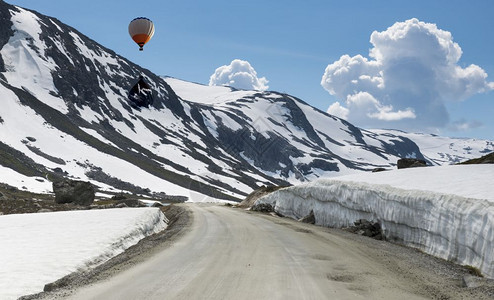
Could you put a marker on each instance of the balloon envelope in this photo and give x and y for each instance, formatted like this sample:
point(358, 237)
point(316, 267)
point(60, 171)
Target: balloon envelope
point(141, 30)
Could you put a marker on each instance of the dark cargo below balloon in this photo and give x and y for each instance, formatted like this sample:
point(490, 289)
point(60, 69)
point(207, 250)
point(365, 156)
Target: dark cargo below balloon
point(141, 95)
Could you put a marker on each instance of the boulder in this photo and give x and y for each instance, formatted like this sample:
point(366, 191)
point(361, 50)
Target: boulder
point(73, 191)
point(367, 228)
point(471, 281)
point(263, 207)
point(404, 163)
point(378, 170)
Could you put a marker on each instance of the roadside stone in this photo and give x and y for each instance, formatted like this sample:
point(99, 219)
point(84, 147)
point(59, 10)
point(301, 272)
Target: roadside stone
point(263, 207)
point(366, 228)
point(470, 281)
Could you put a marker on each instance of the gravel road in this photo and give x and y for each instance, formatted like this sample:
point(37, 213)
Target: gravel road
point(229, 253)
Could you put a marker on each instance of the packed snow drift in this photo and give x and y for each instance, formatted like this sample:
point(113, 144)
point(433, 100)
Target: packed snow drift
point(446, 211)
point(41, 248)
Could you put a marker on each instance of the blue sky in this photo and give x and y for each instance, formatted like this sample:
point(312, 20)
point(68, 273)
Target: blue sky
point(290, 44)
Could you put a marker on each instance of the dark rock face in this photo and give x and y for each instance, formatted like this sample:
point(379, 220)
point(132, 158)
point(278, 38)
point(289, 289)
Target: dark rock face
point(6, 31)
point(404, 163)
point(73, 191)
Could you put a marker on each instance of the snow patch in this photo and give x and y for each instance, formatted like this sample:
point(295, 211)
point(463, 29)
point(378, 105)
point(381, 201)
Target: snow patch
point(41, 248)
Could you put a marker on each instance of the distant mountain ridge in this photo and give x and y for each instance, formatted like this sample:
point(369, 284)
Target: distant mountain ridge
point(66, 113)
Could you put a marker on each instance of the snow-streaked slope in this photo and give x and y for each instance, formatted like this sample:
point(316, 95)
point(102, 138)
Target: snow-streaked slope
point(60, 146)
point(67, 109)
point(446, 211)
point(22, 182)
point(95, 100)
point(440, 150)
point(29, 67)
point(304, 142)
point(40, 248)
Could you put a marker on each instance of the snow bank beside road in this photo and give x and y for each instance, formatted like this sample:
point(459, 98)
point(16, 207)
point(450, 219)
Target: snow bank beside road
point(37, 249)
point(444, 211)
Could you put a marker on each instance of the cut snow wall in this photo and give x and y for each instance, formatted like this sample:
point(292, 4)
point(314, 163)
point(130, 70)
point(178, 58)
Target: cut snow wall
point(451, 227)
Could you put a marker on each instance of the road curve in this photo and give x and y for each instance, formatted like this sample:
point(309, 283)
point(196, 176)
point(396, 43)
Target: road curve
point(232, 254)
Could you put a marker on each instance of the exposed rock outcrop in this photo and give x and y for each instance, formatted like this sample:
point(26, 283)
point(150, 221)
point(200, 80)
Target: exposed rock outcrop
point(73, 191)
point(486, 159)
point(404, 163)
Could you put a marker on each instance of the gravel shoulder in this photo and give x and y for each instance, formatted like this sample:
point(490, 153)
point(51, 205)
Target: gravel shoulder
point(224, 253)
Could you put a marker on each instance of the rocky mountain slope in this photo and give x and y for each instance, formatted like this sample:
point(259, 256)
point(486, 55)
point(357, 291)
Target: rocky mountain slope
point(66, 112)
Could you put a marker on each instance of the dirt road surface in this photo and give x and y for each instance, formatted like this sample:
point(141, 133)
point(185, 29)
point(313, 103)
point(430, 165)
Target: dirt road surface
point(229, 253)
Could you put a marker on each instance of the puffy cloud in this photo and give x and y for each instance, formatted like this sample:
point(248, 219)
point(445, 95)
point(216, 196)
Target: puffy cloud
point(239, 74)
point(338, 110)
point(363, 105)
point(411, 73)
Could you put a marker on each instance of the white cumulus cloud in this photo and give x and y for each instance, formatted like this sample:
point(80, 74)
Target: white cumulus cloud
point(239, 74)
point(411, 72)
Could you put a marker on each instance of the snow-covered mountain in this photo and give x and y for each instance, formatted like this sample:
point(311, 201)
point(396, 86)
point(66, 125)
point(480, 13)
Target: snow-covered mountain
point(438, 150)
point(66, 112)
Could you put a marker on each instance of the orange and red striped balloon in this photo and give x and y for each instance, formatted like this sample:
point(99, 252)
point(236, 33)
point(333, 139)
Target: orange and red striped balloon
point(141, 30)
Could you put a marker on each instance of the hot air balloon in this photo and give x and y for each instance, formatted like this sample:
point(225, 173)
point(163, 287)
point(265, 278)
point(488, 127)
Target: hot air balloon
point(141, 30)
